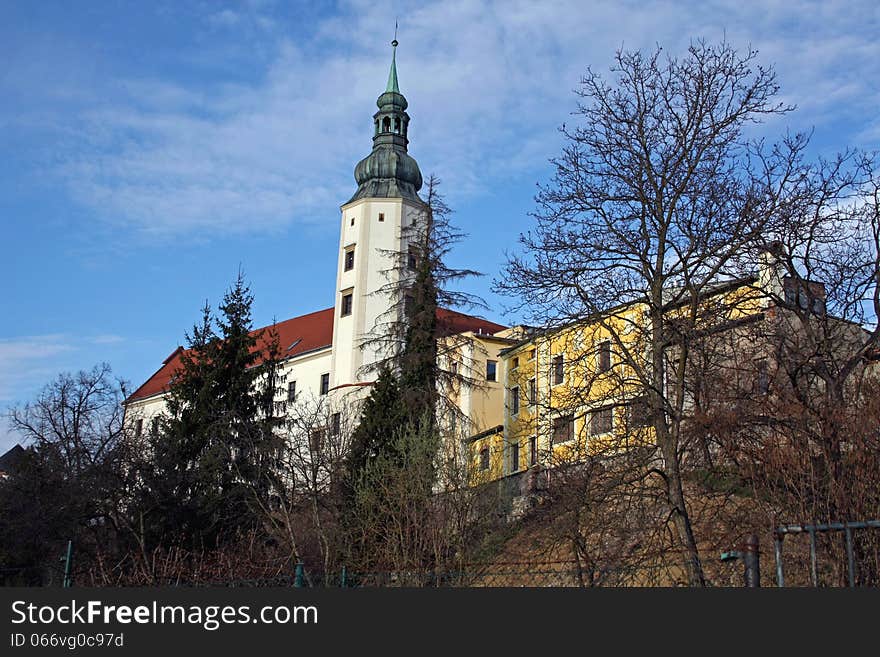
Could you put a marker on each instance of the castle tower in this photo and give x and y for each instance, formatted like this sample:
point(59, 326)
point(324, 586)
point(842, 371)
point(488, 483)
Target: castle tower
point(373, 229)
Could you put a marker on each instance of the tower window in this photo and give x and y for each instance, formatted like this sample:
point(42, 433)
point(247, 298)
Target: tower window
point(352, 221)
point(345, 308)
point(381, 216)
point(386, 124)
point(412, 259)
point(349, 260)
point(397, 125)
point(325, 383)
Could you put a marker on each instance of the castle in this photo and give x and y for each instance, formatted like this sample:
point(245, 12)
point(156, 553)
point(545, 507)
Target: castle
point(533, 399)
point(327, 361)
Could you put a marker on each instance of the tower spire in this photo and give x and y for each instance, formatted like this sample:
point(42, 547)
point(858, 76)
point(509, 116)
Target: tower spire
point(392, 86)
point(389, 171)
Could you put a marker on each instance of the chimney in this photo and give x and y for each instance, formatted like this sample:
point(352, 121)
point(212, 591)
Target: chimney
point(770, 270)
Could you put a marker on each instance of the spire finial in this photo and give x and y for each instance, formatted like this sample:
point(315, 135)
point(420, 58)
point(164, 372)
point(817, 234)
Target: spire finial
point(392, 75)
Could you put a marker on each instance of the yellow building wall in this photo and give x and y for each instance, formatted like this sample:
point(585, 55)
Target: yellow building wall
point(584, 388)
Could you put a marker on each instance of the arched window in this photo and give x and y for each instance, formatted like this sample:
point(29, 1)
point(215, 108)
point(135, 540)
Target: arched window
point(377, 126)
point(386, 124)
point(397, 125)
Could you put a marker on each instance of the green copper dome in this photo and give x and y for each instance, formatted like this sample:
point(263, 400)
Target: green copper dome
point(389, 171)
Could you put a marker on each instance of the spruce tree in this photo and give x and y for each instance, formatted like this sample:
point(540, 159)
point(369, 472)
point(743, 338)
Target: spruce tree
point(213, 450)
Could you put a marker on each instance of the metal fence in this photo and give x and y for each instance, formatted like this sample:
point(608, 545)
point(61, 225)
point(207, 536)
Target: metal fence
point(847, 529)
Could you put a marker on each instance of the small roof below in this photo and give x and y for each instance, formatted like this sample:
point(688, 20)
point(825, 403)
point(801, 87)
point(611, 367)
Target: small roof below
point(11, 460)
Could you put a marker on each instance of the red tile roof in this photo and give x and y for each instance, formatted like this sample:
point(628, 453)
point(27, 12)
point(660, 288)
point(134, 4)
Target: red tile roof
point(306, 333)
point(451, 322)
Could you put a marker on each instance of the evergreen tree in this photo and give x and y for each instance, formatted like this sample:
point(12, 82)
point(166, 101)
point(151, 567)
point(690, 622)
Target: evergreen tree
point(384, 413)
point(214, 447)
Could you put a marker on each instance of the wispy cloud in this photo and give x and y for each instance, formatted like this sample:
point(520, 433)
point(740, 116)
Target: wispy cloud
point(29, 362)
point(26, 361)
point(488, 85)
point(107, 339)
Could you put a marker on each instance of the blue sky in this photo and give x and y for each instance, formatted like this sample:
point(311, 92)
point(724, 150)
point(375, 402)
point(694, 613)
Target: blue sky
point(150, 149)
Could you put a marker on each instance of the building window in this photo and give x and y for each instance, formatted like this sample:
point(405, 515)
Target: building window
point(291, 391)
point(381, 216)
point(453, 368)
point(325, 383)
point(412, 260)
point(491, 370)
point(604, 356)
point(154, 427)
point(352, 221)
point(533, 392)
point(563, 429)
point(138, 428)
point(804, 294)
point(558, 369)
point(280, 408)
point(532, 354)
point(514, 363)
point(484, 458)
point(514, 401)
point(601, 421)
point(349, 260)
point(514, 457)
point(316, 439)
point(639, 413)
point(335, 424)
point(762, 380)
point(533, 450)
point(345, 308)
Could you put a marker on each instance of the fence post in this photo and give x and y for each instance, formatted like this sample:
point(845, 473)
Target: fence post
point(299, 575)
point(68, 559)
point(850, 560)
point(752, 560)
point(777, 540)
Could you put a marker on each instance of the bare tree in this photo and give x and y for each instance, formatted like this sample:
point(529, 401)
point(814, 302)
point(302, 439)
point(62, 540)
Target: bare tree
point(656, 197)
point(75, 482)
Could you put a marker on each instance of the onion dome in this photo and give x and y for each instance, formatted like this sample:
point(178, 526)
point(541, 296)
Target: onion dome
point(389, 171)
